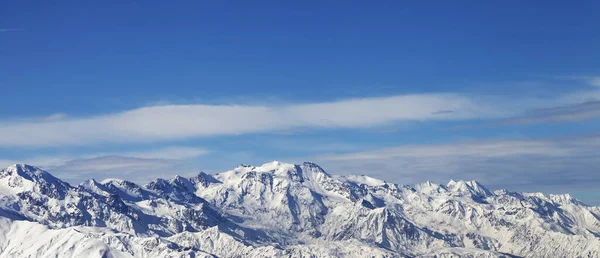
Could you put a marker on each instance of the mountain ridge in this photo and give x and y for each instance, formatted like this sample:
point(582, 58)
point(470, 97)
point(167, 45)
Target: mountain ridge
point(290, 210)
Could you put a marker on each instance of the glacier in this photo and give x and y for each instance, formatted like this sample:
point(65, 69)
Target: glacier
point(285, 210)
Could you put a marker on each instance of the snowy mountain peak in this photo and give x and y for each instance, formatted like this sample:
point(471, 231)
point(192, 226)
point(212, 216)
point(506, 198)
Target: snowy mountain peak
point(307, 171)
point(22, 167)
point(92, 186)
point(430, 188)
point(204, 179)
point(27, 178)
point(315, 167)
point(468, 187)
point(28, 172)
point(285, 210)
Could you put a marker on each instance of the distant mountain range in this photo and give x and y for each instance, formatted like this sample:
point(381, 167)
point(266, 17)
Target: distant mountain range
point(285, 210)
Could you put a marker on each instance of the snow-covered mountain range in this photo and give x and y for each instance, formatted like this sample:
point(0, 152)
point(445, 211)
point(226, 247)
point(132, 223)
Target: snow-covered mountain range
point(285, 210)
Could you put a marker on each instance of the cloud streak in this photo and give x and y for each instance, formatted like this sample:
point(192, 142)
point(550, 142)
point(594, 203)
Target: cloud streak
point(172, 153)
point(8, 30)
point(590, 80)
point(168, 152)
point(176, 122)
point(172, 122)
point(129, 168)
point(119, 163)
point(546, 164)
point(138, 165)
point(569, 113)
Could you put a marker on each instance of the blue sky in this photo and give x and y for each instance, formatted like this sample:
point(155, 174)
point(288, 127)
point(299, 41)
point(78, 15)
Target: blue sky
point(504, 93)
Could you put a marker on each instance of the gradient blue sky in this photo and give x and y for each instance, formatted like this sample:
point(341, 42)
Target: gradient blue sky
point(507, 93)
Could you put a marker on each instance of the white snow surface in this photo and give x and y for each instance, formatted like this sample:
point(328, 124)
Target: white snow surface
point(285, 210)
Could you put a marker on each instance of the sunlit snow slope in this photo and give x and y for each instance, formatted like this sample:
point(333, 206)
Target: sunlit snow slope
point(285, 210)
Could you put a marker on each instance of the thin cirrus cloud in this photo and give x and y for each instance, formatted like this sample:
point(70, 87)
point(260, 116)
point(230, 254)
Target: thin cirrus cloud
point(115, 162)
point(112, 162)
point(595, 81)
point(519, 164)
point(8, 29)
point(486, 149)
point(113, 166)
point(569, 113)
point(176, 122)
point(172, 122)
point(169, 153)
point(570, 107)
point(54, 117)
point(139, 166)
point(590, 80)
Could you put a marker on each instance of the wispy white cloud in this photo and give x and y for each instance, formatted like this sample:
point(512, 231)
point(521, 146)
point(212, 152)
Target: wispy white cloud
point(129, 168)
point(54, 117)
point(579, 105)
point(176, 122)
point(569, 113)
point(520, 164)
point(120, 163)
point(138, 165)
point(41, 161)
point(8, 29)
point(483, 149)
point(573, 106)
point(173, 152)
point(172, 122)
point(590, 80)
point(595, 81)
point(7, 162)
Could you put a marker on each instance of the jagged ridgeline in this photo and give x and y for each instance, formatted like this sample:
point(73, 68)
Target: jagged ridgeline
point(285, 210)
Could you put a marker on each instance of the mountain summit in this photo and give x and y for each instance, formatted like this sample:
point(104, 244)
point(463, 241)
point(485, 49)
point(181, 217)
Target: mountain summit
point(285, 210)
